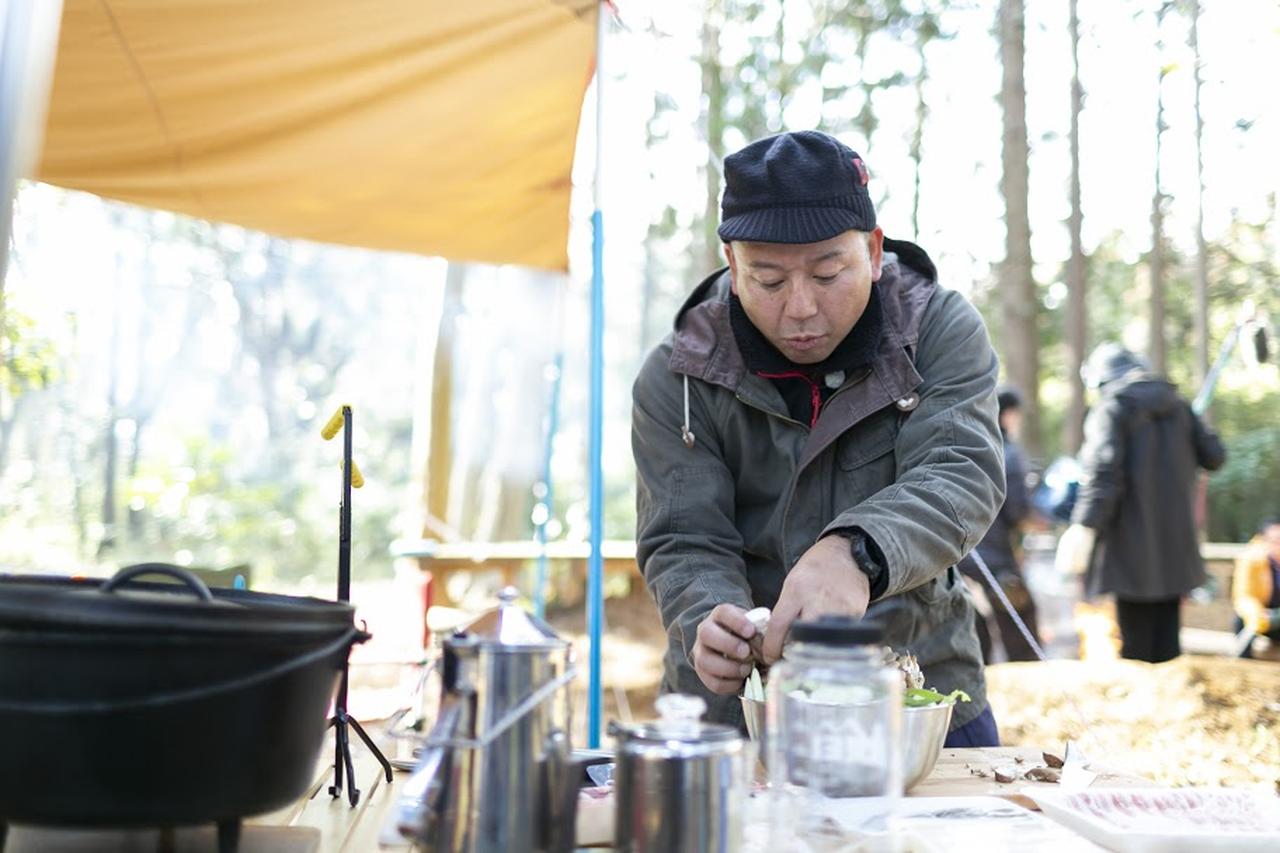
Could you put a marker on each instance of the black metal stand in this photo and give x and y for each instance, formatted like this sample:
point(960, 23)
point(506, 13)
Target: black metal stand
point(229, 835)
point(340, 719)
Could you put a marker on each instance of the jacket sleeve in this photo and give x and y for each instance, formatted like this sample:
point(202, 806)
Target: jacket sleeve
point(1102, 481)
point(1246, 589)
point(949, 479)
point(689, 566)
point(1210, 454)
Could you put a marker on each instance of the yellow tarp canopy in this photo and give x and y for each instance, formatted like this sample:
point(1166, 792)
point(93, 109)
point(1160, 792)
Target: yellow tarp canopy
point(444, 127)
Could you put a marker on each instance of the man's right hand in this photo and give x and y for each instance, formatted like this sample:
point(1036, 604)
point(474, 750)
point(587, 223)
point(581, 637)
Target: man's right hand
point(722, 651)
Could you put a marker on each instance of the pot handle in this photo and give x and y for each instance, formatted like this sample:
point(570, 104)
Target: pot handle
point(178, 573)
point(352, 636)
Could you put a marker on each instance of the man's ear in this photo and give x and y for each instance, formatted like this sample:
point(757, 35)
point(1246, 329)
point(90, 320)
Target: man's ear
point(733, 268)
point(875, 251)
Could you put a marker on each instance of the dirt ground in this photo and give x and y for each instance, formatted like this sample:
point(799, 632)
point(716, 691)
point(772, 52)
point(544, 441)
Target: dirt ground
point(1190, 721)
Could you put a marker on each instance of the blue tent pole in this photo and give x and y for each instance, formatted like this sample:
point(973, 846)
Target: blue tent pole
point(548, 495)
point(595, 566)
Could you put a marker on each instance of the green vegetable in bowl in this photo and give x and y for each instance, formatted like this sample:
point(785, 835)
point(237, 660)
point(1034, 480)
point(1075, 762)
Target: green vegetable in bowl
point(922, 697)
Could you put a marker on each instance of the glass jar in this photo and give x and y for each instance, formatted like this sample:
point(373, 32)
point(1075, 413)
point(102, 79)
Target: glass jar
point(834, 710)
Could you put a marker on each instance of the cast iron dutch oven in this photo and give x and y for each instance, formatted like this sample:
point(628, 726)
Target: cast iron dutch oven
point(133, 704)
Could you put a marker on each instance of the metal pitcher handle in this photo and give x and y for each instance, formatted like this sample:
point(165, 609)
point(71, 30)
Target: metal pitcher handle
point(559, 812)
point(420, 795)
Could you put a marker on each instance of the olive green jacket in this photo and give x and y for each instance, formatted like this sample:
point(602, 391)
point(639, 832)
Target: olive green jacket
point(907, 450)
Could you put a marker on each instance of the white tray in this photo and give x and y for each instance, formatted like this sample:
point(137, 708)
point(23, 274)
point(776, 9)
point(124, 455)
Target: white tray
point(1167, 820)
point(918, 825)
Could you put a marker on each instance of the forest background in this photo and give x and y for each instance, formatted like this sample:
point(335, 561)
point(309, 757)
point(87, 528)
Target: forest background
point(1083, 170)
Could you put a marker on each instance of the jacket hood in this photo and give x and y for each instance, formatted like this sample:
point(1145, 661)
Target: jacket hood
point(1145, 394)
point(1110, 362)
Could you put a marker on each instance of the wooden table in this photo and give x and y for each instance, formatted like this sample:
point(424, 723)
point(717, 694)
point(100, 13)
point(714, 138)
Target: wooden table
point(319, 823)
point(954, 774)
point(346, 831)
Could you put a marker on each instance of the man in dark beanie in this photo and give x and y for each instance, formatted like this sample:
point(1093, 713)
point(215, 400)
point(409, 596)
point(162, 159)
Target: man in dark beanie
point(816, 436)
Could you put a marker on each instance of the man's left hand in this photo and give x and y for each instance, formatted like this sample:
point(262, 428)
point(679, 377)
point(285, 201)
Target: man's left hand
point(825, 580)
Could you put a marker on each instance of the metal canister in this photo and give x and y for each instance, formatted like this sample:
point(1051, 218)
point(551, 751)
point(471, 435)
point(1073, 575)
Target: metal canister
point(497, 774)
point(681, 785)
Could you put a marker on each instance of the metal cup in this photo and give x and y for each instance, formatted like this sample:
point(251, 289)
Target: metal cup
point(681, 786)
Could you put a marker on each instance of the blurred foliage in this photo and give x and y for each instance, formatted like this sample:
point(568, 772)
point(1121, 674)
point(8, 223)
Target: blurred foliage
point(166, 404)
point(1245, 408)
point(29, 359)
point(216, 514)
point(1247, 489)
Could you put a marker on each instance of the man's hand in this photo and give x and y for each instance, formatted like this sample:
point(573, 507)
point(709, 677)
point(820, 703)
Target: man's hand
point(721, 653)
point(825, 580)
point(1074, 550)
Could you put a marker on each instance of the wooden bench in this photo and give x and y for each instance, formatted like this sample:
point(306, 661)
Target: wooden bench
point(443, 561)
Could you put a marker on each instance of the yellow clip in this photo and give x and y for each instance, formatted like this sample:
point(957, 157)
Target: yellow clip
point(357, 479)
point(335, 423)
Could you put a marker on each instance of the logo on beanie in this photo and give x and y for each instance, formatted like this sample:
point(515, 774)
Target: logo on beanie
point(862, 170)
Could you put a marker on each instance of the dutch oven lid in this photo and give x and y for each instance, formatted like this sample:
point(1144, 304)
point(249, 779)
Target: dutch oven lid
point(509, 626)
point(679, 728)
point(125, 604)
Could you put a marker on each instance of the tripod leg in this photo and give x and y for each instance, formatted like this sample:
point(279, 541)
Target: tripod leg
point(340, 727)
point(353, 793)
point(229, 835)
point(377, 753)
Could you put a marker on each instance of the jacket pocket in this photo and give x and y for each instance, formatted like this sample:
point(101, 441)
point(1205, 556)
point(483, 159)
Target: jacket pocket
point(868, 441)
point(934, 591)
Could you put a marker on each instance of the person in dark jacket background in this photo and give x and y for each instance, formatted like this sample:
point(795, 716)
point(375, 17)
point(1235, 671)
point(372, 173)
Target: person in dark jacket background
point(1000, 546)
point(1132, 528)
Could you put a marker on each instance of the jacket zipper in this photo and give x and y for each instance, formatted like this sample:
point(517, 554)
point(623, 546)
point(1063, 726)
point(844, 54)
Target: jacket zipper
point(791, 492)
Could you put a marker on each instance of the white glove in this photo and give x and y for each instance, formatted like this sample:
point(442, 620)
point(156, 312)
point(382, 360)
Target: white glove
point(1074, 550)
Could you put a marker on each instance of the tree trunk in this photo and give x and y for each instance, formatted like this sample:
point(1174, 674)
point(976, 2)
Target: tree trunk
point(1155, 332)
point(1077, 320)
point(110, 449)
point(7, 426)
point(917, 137)
point(1017, 287)
point(713, 121)
point(865, 121)
point(1202, 254)
point(440, 448)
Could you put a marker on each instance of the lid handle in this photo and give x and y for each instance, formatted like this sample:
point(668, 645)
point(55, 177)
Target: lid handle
point(178, 573)
point(680, 712)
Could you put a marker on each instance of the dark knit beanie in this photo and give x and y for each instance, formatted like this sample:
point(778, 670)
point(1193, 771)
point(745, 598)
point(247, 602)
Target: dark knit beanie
point(801, 187)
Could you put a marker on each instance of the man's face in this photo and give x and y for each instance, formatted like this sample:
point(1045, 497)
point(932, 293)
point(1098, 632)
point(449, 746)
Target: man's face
point(1011, 420)
point(806, 297)
point(1271, 538)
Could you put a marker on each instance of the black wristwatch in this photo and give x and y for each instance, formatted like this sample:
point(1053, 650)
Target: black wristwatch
point(868, 557)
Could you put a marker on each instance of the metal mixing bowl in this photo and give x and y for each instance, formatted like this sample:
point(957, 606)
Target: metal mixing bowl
point(924, 730)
